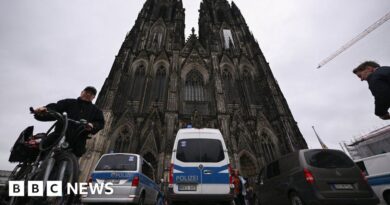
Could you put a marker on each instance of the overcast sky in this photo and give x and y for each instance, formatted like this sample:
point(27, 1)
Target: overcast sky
point(52, 49)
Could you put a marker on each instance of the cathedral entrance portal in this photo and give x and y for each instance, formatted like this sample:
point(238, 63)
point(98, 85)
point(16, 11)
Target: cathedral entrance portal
point(247, 166)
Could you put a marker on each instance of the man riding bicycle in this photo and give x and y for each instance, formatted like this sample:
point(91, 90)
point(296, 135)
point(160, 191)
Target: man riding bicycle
point(76, 109)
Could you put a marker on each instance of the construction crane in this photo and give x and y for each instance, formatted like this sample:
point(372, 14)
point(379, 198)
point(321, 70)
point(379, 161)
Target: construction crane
point(356, 39)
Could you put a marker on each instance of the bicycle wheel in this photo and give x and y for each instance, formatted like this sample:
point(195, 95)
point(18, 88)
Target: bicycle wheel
point(65, 169)
point(19, 173)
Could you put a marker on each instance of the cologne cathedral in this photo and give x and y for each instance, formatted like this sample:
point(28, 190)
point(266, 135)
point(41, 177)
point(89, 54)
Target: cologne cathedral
point(162, 81)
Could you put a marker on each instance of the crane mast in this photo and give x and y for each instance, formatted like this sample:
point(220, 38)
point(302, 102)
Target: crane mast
point(356, 39)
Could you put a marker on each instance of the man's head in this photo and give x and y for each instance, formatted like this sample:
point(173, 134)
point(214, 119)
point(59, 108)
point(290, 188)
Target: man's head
point(365, 69)
point(88, 94)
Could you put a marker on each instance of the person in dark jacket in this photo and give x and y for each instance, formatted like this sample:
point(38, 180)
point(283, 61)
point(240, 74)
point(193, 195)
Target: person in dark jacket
point(378, 79)
point(77, 109)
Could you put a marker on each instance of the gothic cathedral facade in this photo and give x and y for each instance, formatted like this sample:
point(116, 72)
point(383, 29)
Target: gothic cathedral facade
point(161, 82)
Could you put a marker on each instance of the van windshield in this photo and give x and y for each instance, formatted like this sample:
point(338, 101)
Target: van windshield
point(117, 162)
point(200, 150)
point(328, 159)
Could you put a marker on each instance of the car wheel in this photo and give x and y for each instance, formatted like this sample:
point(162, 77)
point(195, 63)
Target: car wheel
point(295, 199)
point(386, 197)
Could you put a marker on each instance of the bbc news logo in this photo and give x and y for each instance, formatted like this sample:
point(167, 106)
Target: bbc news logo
point(54, 188)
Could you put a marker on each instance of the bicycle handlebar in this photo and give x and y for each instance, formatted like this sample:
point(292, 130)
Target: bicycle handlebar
point(62, 118)
point(58, 115)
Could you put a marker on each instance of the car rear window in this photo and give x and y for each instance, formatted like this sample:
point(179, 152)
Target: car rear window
point(118, 162)
point(200, 150)
point(328, 159)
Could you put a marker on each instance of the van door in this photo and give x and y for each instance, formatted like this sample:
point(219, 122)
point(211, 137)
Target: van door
point(187, 167)
point(271, 188)
point(214, 166)
point(336, 175)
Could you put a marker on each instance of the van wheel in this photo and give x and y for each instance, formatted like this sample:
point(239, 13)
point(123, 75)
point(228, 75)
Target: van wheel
point(295, 199)
point(386, 197)
point(228, 203)
point(141, 200)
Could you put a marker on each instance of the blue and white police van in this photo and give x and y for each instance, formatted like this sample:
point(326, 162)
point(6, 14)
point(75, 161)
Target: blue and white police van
point(132, 178)
point(377, 171)
point(200, 168)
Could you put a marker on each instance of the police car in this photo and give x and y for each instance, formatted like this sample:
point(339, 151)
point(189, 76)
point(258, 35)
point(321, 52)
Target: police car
point(132, 178)
point(200, 168)
point(377, 170)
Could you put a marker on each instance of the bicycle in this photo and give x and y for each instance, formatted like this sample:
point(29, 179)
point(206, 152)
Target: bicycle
point(55, 161)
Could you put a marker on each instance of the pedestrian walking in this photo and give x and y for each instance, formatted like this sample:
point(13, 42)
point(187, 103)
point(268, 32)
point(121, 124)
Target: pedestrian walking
point(238, 187)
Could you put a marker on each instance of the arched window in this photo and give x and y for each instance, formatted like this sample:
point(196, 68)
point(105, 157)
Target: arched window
point(194, 87)
point(138, 85)
point(249, 87)
point(156, 38)
point(268, 147)
point(122, 142)
point(247, 165)
point(228, 39)
point(229, 87)
point(159, 84)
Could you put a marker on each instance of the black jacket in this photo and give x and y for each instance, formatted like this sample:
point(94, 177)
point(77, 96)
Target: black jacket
point(379, 84)
point(78, 109)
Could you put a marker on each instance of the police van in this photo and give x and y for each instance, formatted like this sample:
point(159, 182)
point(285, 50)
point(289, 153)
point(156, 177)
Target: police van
point(377, 171)
point(132, 178)
point(200, 168)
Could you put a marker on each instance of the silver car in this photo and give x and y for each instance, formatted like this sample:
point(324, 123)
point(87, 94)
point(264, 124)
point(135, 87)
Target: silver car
point(132, 178)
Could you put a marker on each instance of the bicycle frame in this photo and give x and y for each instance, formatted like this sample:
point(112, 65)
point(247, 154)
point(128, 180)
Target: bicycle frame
point(61, 146)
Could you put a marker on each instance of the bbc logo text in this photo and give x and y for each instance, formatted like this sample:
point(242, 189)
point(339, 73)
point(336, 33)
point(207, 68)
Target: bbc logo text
point(55, 188)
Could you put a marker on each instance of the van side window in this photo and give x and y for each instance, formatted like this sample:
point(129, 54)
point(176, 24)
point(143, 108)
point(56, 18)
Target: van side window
point(147, 170)
point(273, 170)
point(289, 162)
point(261, 176)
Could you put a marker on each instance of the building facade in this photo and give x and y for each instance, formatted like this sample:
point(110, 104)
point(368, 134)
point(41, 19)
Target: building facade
point(161, 81)
point(373, 143)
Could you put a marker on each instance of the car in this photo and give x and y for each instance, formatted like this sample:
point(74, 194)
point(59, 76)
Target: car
point(200, 168)
point(314, 176)
point(132, 178)
point(377, 170)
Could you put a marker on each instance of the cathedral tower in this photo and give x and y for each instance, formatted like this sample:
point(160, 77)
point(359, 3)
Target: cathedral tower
point(161, 82)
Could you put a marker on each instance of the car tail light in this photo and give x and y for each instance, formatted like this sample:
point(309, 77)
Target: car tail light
point(135, 181)
point(171, 174)
point(308, 176)
point(89, 180)
point(364, 176)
